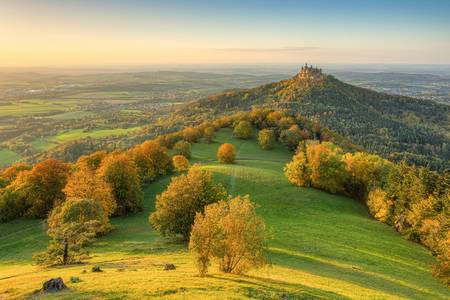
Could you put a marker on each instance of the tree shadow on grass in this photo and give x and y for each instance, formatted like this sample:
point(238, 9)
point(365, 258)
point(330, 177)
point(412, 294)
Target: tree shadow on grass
point(266, 288)
point(371, 280)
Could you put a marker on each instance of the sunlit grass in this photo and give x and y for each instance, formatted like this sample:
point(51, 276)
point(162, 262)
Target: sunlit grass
point(322, 246)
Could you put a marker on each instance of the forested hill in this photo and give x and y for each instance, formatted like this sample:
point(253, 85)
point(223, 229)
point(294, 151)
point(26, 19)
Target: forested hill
point(396, 127)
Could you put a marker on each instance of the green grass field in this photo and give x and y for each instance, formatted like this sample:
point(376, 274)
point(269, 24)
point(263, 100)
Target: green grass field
point(36, 106)
point(95, 134)
point(7, 157)
point(322, 247)
point(46, 143)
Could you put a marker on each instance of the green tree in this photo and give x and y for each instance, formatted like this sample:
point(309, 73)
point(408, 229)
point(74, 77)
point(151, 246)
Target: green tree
point(243, 130)
point(71, 226)
point(291, 137)
point(182, 148)
point(208, 134)
point(266, 139)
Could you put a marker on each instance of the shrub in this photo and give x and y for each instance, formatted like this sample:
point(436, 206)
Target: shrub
point(243, 130)
point(72, 225)
point(266, 139)
point(121, 173)
point(180, 163)
point(226, 153)
point(182, 148)
point(208, 134)
point(186, 195)
point(231, 232)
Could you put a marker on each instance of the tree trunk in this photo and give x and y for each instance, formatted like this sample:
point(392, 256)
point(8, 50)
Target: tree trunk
point(66, 253)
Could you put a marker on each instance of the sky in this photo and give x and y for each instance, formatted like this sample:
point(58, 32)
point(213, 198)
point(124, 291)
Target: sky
point(132, 32)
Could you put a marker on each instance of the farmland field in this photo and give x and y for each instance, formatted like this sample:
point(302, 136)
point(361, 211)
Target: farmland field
point(321, 246)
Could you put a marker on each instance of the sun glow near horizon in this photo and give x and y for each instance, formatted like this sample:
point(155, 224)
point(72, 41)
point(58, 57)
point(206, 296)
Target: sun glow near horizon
point(138, 32)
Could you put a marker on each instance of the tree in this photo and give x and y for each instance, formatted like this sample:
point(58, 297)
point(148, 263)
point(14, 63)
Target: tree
point(191, 134)
point(379, 205)
point(71, 226)
point(151, 159)
point(208, 134)
point(226, 153)
point(266, 139)
point(91, 161)
point(326, 167)
point(297, 171)
point(121, 173)
point(42, 186)
point(180, 163)
point(291, 137)
point(13, 205)
point(231, 232)
point(243, 130)
point(182, 148)
point(367, 171)
point(84, 183)
point(186, 195)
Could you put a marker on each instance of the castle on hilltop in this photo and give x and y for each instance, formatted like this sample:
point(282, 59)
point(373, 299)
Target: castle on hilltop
point(310, 73)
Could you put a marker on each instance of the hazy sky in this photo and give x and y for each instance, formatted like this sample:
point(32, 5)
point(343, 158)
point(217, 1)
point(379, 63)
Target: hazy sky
point(68, 33)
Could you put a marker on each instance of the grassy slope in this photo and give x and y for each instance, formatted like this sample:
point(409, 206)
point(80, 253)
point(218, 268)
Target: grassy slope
point(322, 246)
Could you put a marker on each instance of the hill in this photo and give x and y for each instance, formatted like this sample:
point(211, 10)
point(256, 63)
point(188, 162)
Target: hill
point(323, 247)
point(396, 127)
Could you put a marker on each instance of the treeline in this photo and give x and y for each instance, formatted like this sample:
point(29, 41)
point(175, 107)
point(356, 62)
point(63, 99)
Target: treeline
point(395, 127)
point(414, 200)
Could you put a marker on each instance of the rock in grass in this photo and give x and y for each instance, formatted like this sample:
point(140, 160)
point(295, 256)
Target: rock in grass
point(168, 267)
point(96, 269)
point(54, 285)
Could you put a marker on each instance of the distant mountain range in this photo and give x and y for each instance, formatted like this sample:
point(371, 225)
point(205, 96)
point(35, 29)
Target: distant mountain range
point(397, 127)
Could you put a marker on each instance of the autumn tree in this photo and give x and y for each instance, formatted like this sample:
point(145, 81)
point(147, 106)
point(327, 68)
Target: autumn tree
point(182, 148)
point(297, 171)
point(180, 163)
point(71, 226)
point(91, 161)
point(121, 173)
point(326, 167)
point(291, 137)
point(243, 130)
point(151, 160)
point(266, 139)
point(367, 172)
point(85, 183)
point(230, 232)
point(186, 195)
point(226, 153)
point(10, 173)
point(191, 134)
point(209, 134)
point(42, 186)
point(379, 205)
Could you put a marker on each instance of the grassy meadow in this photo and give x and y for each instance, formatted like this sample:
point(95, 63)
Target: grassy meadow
point(7, 157)
point(38, 106)
point(321, 246)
